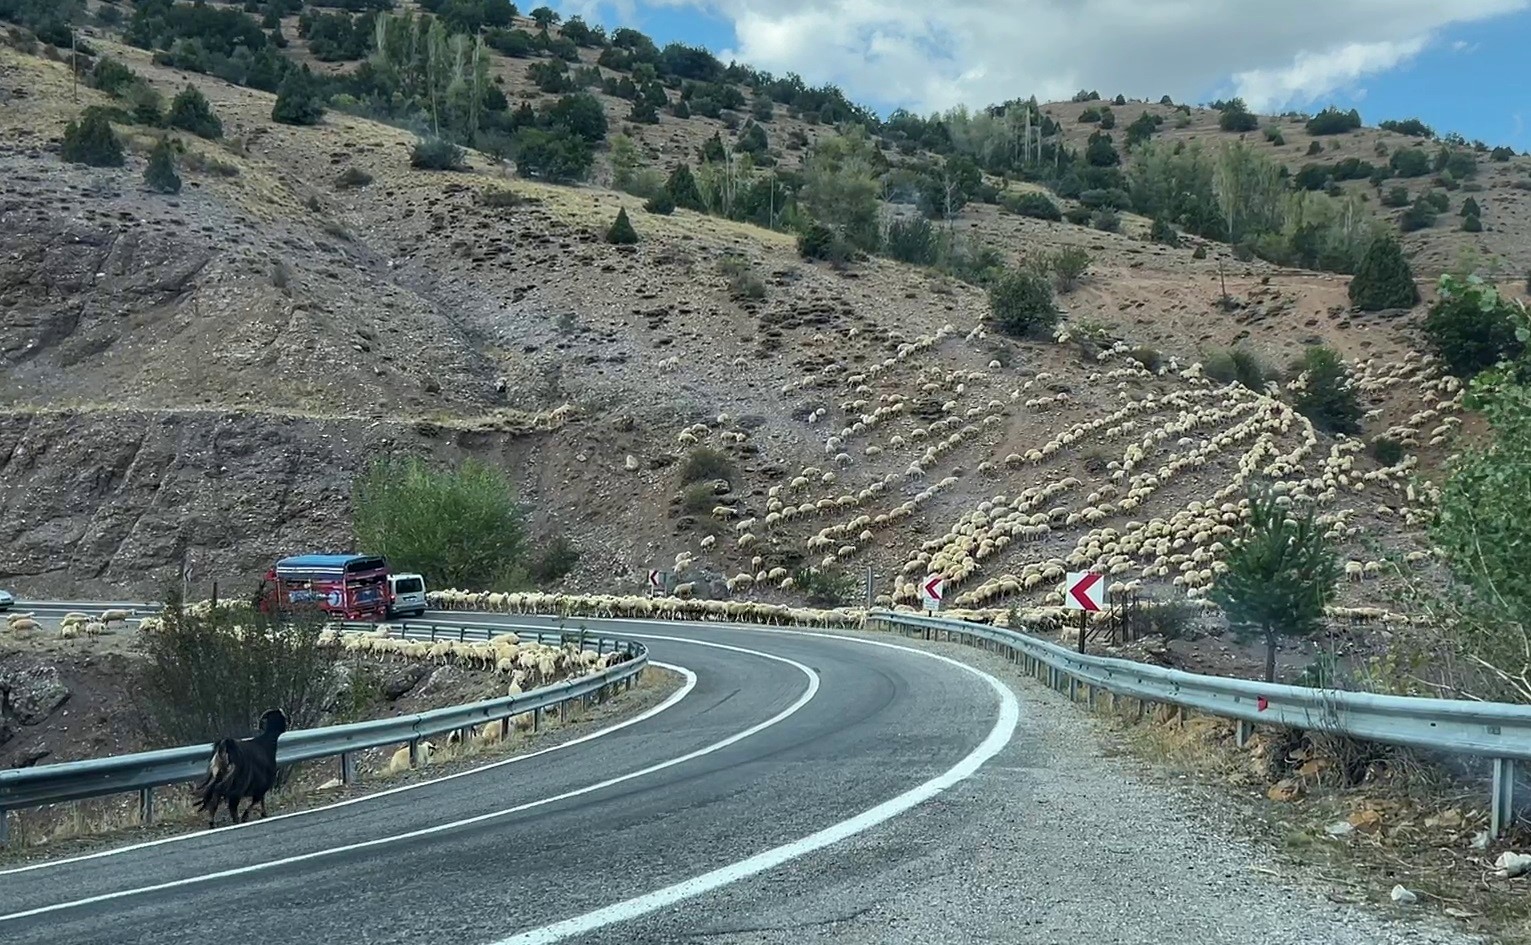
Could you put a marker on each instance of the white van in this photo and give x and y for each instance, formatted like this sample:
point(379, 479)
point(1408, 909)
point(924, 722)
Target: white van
point(406, 595)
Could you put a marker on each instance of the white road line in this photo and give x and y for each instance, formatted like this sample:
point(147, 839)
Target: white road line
point(998, 737)
point(807, 696)
point(670, 702)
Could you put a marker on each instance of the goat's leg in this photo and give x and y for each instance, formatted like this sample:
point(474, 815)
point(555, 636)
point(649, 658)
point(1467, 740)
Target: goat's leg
point(262, 802)
point(233, 808)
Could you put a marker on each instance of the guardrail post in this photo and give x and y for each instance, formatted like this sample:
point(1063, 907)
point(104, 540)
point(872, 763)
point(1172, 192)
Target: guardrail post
point(146, 806)
point(5, 826)
point(347, 767)
point(1502, 804)
point(414, 752)
point(1242, 733)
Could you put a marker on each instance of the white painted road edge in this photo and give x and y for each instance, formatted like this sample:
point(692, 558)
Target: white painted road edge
point(674, 698)
point(791, 710)
point(998, 737)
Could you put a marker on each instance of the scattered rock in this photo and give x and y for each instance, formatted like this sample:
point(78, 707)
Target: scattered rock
point(1340, 828)
point(406, 679)
point(444, 677)
point(333, 784)
point(1400, 894)
point(1511, 864)
point(1366, 821)
point(1287, 789)
point(31, 694)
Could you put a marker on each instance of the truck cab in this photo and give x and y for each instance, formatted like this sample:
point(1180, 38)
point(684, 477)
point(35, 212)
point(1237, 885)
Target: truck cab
point(406, 595)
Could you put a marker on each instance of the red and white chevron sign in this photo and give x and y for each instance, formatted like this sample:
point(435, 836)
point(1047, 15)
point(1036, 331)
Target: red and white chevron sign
point(1084, 590)
point(932, 589)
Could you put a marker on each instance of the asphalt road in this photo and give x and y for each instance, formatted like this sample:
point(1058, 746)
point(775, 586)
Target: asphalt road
point(847, 726)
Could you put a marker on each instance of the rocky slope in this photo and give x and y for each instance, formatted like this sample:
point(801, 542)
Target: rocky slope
point(200, 376)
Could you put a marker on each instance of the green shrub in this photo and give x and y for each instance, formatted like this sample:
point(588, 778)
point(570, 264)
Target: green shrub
point(1021, 303)
point(1332, 121)
point(1068, 265)
point(1383, 279)
point(912, 240)
point(622, 232)
point(436, 154)
point(743, 283)
point(705, 464)
point(1472, 225)
point(1396, 197)
point(1107, 220)
point(203, 675)
point(1420, 216)
point(1410, 162)
point(1470, 327)
point(1388, 452)
point(160, 175)
point(1079, 216)
point(460, 527)
point(297, 99)
point(683, 189)
point(111, 76)
point(148, 105)
point(1315, 147)
point(1470, 208)
point(191, 112)
point(1329, 398)
point(1031, 204)
point(819, 242)
point(91, 141)
point(352, 177)
point(1200, 252)
point(1237, 364)
point(661, 203)
point(557, 156)
point(1161, 232)
point(1274, 136)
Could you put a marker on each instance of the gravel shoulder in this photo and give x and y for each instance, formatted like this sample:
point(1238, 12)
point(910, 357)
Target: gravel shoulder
point(1061, 837)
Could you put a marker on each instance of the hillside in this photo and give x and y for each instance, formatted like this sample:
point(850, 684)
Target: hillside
point(196, 378)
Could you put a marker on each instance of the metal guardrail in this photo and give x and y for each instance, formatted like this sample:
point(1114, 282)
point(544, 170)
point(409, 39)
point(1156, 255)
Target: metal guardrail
point(1498, 731)
point(145, 771)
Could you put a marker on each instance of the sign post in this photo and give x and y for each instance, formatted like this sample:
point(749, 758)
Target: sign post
point(658, 581)
point(1084, 591)
point(932, 589)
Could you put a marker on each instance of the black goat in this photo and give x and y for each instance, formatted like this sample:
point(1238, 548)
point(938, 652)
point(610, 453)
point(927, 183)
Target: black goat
point(242, 768)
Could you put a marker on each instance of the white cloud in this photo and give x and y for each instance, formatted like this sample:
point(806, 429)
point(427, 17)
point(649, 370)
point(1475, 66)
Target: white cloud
point(935, 55)
point(1463, 46)
point(1311, 76)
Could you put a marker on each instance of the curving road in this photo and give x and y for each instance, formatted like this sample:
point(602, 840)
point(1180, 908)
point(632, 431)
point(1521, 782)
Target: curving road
point(782, 743)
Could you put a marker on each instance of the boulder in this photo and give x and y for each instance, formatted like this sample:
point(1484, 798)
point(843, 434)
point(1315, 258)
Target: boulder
point(30, 694)
point(399, 684)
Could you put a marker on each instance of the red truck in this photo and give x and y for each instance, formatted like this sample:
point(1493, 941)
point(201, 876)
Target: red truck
point(349, 587)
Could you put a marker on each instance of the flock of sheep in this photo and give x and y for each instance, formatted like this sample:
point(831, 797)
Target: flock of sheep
point(1144, 520)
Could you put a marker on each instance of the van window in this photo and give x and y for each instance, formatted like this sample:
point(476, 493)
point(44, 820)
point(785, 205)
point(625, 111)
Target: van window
point(411, 585)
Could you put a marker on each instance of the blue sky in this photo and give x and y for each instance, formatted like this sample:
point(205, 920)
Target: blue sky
point(1472, 79)
point(1470, 76)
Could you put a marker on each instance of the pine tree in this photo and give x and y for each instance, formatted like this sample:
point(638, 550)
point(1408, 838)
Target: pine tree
point(1281, 574)
point(160, 175)
point(683, 189)
point(297, 101)
point(92, 141)
point(1384, 279)
point(191, 112)
point(622, 232)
